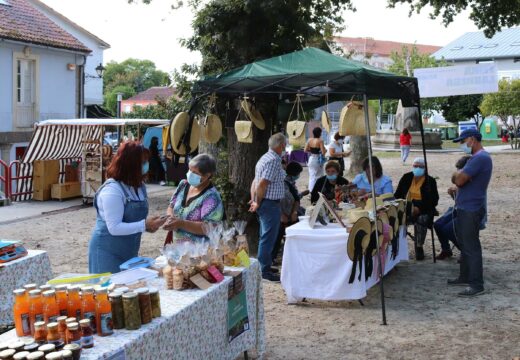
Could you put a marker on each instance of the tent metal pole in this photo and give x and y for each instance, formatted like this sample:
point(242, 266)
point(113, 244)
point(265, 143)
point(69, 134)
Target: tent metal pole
point(374, 206)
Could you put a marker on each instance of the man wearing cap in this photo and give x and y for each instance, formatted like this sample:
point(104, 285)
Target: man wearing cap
point(470, 205)
point(266, 191)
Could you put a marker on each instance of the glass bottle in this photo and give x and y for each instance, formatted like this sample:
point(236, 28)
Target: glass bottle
point(104, 321)
point(74, 303)
point(88, 306)
point(21, 313)
point(50, 307)
point(62, 299)
point(40, 332)
point(87, 338)
point(155, 299)
point(145, 305)
point(73, 333)
point(132, 312)
point(118, 315)
point(53, 335)
point(75, 349)
point(35, 308)
point(28, 288)
point(62, 327)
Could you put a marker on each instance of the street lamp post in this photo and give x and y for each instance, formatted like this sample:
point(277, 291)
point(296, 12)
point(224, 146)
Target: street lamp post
point(118, 114)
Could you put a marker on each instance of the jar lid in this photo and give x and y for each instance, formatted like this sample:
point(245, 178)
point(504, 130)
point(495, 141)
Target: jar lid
point(61, 287)
point(129, 295)
point(73, 326)
point(47, 348)
point(4, 346)
point(53, 356)
point(31, 347)
point(71, 347)
point(30, 286)
point(7, 354)
point(49, 293)
point(122, 289)
point(142, 290)
point(84, 322)
point(115, 294)
point(45, 287)
point(73, 288)
point(61, 318)
point(70, 320)
point(52, 325)
point(35, 293)
point(17, 345)
point(66, 353)
point(153, 290)
point(28, 341)
point(19, 292)
point(21, 355)
point(39, 324)
point(35, 355)
point(102, 290)
point(87, 289)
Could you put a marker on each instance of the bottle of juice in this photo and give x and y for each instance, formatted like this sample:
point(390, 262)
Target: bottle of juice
point(21, 313)
point(50, 307)
point(35, 308)
point(88, 306)
point(74, 303)
point(28, 288)
point(62, 299)
point(104, 322)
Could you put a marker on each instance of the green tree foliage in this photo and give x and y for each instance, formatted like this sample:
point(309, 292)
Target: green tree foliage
point(138, 74)
point(460, 108)
point(165, 109)
point(111, 97)
point(488, 15)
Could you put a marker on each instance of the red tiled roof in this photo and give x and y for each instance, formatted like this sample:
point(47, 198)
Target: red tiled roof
point(20, 21)
point(162, 92)
point(380, 47)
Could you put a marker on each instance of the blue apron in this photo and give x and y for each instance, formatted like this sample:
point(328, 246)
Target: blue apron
point(106, 252)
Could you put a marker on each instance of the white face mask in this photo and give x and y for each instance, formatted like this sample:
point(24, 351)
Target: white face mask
point(340, 141)
point(466, 148)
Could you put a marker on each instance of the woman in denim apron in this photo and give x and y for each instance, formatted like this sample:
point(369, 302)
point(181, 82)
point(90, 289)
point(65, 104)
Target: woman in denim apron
point(122, 210)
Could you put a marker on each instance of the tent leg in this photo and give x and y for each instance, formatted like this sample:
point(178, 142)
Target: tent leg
point(374, 209)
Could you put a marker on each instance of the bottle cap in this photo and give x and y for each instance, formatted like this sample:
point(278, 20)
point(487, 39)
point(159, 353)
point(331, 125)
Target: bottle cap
point(30, 286)
point(35, 293)
point(21, 355)
point(102, 290)
point(39, 324)
point(73, 326)
point(71, 347)
point(87, 289)
point(70, 320)
point(45, 287)
point(19, 292)
point(129, 295)
point(62, 287)
point(49, 293)
point(52, 325)
point(61, 318)
point(7, 354)
point(36, 355)
point(17, 345)
point(84, 322)
point(115, 294)
point(142, 290)
point(153, 290)
point(47, 348)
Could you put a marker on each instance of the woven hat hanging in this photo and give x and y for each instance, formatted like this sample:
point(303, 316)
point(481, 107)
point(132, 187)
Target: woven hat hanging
point(252, 113)
point(178, 128)
point(296, 129)
point(243, 128)
point(352, 120)
point(325, 119)
point(211, 124)
point(358, 235)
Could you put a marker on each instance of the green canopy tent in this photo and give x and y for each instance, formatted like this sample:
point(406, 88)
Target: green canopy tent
point(321, 77)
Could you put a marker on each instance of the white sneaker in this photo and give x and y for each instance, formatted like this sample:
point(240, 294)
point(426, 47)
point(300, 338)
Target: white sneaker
point(162, 183)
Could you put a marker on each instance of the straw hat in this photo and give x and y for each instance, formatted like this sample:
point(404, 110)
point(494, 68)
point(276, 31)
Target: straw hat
point(254, 115)
point(352, 120)
point(353, 215)
point(369, 206)
point(386, 197)
point(212, 130)
point(359, 235)
point(178, 127)
point(401, 212)
point(325, 121)
point(392, 217)
point(244, 131)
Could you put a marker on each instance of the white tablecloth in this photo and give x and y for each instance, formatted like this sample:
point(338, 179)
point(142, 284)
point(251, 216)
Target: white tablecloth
point(193, 326)
point(316, 264)
point(33, 268)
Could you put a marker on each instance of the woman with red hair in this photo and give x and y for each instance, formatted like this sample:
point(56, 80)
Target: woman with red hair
point(122, 211)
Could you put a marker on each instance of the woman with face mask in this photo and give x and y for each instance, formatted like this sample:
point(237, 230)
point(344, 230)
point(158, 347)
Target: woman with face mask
point(382, 183)
point(327, 184)
point(195, 202)
point(422, 195)
point(122, 211)
point(336, 152)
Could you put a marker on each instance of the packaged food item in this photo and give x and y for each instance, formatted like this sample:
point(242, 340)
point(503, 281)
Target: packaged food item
point(103, 313)
point(53, 335)
point(62, 327)
point(241, 238)
point(35, 308)
point(155, 299)
point(88, 306)
point(21, 313)
point(73, 333)
point(87, 337)
point(132, 312)
point(74, 303)
point(47, 348)
point(178, 279)
point(7, 354)
point(62, 299)
point(22, 355)
point(75, 349)
point(37, 355)
point(118, 315)
point(168, 276)
point(40, 332)
point(50, 306)
point(145, 305)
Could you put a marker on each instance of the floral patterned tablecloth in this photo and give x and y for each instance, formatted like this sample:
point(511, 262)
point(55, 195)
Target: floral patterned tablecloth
point(33, 268)
point(193, 326)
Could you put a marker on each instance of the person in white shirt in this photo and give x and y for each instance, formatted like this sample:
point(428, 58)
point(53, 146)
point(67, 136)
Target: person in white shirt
point(336, 152)
point(122, 211)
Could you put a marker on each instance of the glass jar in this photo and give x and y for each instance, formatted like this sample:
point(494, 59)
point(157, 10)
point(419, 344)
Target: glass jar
point(35, 307)
point(62, 327)
point(88, 306)
point(75, 349)
point(145, 305)
point(118, 314)
point(40, 332)
point(87, 338)
point(73, 334)
point(21, 313)
point(104, 322)
point(62, 299)
point(74, 303)
point(155, 299)
point(53, 335)
point(132, 312)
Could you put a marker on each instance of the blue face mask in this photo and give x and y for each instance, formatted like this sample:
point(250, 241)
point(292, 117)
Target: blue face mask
point(146, 167)
point(332, 177)
point(193, 179)
point(465, 148)
point(418, 172)
point(295, 177)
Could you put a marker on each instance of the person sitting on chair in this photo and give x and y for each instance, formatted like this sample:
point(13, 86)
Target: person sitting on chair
point(422, 193)
point(327, 184)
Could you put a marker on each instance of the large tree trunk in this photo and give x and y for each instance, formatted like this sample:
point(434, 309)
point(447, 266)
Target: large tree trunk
point(359, 147)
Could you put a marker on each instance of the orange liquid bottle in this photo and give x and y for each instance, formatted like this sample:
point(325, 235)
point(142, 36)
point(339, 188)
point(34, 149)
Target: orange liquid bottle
point(35, 308)
point(105, 326)
point(62, 299)
point(50, 307)
point(21, 313)
point(74, 303)
point(28, 288)
point(88, 306)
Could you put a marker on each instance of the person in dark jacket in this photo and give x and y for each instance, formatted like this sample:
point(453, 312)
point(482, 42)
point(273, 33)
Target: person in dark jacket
point(421, 192)
point(327, 184)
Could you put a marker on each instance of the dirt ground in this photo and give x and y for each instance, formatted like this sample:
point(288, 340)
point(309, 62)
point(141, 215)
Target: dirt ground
point(426, 320)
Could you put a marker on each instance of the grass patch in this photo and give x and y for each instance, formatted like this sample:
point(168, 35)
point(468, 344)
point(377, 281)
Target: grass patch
point(387, 154)
point(448, 144)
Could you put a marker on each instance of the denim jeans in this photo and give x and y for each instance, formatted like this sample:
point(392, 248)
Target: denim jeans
point(269, 214)
point(405, 151)
point(445, 231)
point(467, 230)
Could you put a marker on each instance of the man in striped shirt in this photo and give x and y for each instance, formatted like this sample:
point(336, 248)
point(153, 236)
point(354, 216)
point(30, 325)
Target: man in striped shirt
point(267, 190)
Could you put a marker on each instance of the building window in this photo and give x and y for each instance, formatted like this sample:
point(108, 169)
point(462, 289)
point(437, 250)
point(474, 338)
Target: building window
point(25, 82)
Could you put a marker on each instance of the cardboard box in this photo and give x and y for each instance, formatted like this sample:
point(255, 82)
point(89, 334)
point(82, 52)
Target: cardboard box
point(66, 190)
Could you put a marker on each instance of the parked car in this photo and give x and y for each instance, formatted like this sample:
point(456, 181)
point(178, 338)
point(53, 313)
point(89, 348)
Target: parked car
point(110, 138)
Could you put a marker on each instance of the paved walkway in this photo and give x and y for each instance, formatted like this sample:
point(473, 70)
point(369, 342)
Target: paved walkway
point(491, 149)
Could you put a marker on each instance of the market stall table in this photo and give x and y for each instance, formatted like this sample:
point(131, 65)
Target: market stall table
point(316, 265)
point(35, 267)
point(193, 325)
